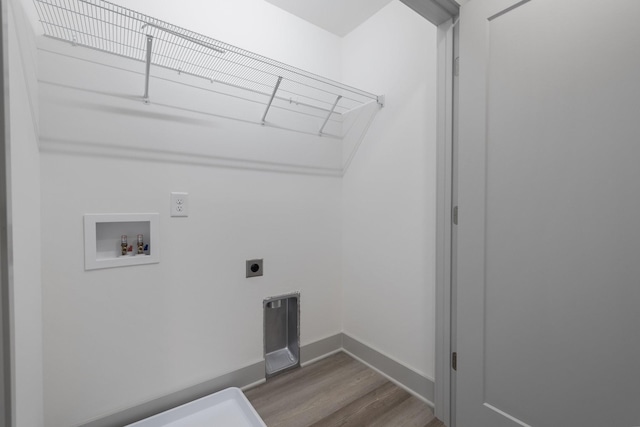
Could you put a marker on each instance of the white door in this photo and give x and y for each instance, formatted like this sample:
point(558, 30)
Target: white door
point(548, 293)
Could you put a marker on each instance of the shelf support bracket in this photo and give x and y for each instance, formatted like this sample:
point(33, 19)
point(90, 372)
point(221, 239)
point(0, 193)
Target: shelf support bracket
point(329, 115)
point(273, 95)
point(147, 69)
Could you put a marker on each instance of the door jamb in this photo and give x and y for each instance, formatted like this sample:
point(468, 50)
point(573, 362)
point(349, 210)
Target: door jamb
point(7, 402)
point(444, 170)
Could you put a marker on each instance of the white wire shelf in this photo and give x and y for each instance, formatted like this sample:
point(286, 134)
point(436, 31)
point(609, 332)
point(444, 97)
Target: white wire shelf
point(107, 27)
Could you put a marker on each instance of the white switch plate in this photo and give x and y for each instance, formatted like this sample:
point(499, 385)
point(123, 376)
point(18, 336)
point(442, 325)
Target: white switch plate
point(179, 204)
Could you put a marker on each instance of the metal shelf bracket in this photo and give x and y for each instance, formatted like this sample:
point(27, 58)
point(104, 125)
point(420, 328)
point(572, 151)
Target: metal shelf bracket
point(329, 115)
point(147, 69)
point(273, 95)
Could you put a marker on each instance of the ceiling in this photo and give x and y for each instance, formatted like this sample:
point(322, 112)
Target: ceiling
point(336, 16)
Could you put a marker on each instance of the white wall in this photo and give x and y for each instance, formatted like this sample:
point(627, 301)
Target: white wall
point(116, 338)
point(25, 205)
point(389, 191)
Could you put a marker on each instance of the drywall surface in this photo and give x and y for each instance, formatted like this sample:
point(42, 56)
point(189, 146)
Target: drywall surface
point(24, 199)
point(389, 191)
point(116, 338)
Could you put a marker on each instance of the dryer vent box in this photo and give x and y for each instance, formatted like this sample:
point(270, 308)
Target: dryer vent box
point(281, 333)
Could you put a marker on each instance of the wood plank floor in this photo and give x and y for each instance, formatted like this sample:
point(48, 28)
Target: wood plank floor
point(337, 391)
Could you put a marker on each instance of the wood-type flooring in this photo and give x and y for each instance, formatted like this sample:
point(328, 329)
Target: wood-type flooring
point(338, 391)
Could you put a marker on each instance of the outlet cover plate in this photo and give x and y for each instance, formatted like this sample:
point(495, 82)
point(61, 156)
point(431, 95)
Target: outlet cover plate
point(180, 204)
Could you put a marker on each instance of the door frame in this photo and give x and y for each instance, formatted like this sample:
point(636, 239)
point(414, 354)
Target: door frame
point(444, 398)
point(6, 309)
